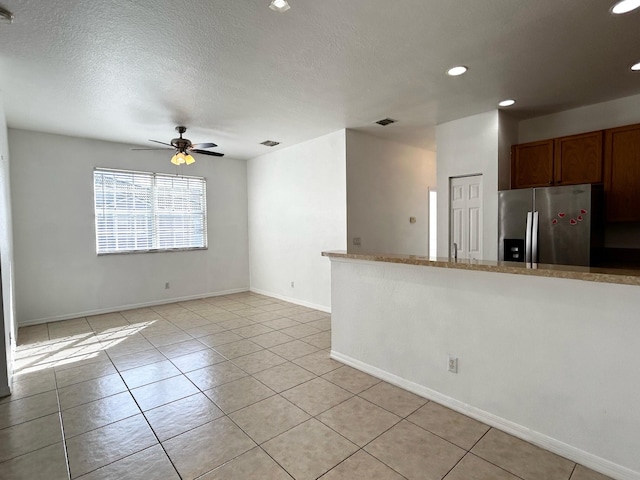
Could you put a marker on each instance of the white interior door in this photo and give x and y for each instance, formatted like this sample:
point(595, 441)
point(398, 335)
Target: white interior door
point(466, 216)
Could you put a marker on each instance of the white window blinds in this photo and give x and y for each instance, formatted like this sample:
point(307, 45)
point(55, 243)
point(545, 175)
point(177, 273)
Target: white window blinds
point(143, 212)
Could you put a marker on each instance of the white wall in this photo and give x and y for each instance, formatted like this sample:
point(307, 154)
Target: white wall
point(469, 146)
point(616, 113)
point(7, 315)
point(387, 183)
point(58, 274)
point(553, 361)
point(297, 209)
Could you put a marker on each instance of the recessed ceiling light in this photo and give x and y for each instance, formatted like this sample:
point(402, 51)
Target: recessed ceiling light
point(507, 103)
point(636, 67)
point(455, 71)
point(625, 6)
point(269, 143)
point(279, 5)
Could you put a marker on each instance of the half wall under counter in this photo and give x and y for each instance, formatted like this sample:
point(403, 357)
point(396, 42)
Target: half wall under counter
point(543, 354)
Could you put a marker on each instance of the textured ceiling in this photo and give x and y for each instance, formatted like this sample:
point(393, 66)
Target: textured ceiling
point(237, 73)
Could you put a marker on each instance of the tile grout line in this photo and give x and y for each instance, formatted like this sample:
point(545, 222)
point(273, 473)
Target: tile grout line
point(150, 428)
point(491, 463)
point(575, 466)
point(110, 423)
point(64, 439)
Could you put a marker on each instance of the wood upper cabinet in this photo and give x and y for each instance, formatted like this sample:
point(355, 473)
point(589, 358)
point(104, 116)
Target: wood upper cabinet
point(568, 160)
point(532, 164)
point(578, 159)
point(622, 173)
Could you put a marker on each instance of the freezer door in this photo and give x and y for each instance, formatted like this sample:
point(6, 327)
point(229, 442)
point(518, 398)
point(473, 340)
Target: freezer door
point(513, 206)
point(564, 219)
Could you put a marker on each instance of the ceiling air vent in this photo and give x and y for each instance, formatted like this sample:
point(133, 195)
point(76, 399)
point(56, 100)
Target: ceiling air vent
point(270, 143)
point(386, 121)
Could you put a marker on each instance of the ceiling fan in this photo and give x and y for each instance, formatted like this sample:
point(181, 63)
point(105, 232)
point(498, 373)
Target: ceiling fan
point(184, 148)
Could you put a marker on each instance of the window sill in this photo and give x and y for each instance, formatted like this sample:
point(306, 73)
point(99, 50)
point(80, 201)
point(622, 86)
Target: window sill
point(155, 250)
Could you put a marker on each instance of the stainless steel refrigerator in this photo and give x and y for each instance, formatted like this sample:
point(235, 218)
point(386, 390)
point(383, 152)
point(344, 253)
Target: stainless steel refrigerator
point(553, 225)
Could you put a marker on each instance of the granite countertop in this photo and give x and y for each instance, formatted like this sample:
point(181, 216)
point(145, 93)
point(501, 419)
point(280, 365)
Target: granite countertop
point(591, 274)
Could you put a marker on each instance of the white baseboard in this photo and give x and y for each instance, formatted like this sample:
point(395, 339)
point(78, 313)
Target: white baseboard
point(574, 454)
point(121, 308)
point(297, 301)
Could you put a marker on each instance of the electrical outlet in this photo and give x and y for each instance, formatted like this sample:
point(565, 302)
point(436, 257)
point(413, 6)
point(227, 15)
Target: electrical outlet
point(452, 365)
point(292, 284)
point(166, 286)
point(356, 241)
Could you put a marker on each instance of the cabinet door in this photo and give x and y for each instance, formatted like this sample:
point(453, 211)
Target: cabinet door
point(532, 164)
point(622, 173)
point(578, 159)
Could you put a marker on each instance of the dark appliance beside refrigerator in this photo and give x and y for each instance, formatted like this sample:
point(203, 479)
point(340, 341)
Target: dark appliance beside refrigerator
point(552, 225)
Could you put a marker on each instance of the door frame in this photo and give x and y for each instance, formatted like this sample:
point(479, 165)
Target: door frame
point(432, 221)
point(450, 220)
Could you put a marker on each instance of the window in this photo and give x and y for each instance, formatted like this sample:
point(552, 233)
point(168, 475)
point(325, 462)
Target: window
point(148, 212)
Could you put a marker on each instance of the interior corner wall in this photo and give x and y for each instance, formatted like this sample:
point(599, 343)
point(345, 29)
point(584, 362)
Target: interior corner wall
point(387, 183)
point(469, 146)
point(507, 136)
point(57, 272)
point(297, 209)
point(7, 305)
point(600, 116)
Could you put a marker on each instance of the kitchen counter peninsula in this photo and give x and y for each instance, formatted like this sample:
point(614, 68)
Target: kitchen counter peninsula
point(591, 274)
point(547, 354)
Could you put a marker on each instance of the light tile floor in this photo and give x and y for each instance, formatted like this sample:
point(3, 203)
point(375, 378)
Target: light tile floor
point(232, 387)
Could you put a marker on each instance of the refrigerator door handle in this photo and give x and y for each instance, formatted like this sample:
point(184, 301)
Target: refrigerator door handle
point(527, 241)
point(534, 238)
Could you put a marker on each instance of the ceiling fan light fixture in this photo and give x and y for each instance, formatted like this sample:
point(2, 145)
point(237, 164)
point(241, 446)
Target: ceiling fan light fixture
point(183, 148)
point(6, 15)
point(179, 158)
point(279, 5)
point(625, 6)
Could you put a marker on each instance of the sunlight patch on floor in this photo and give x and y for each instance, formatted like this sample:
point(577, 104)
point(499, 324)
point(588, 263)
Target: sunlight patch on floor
point(68, 350)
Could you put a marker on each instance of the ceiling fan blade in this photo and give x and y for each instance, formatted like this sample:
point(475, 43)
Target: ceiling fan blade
point(163, 143)
point(203, 145)
point(159, 148)
point(205, 152)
